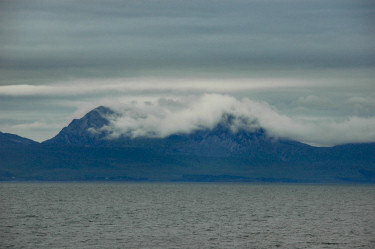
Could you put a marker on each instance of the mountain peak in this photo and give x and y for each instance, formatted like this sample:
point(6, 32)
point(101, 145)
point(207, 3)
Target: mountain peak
point(103, 110)
point(83, 131)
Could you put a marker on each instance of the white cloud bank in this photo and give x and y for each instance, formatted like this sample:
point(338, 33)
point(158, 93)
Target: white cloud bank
point(126, 85)
point(164, 116)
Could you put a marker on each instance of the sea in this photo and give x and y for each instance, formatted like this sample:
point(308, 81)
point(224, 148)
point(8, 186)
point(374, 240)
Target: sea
point(185, 215)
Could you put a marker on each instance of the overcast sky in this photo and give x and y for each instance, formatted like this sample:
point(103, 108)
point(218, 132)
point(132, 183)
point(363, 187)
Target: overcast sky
point(308, 66)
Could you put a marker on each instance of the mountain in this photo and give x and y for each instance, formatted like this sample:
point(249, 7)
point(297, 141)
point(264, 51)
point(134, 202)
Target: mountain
point(7, 139)
point(220, 141)
point(8, 144)
point(82, 131)
point(84, 151)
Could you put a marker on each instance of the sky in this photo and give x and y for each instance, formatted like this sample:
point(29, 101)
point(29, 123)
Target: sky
point(303, 70)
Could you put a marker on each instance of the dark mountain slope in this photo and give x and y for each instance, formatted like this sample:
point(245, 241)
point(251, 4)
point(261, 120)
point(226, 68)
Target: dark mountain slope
point(7, 139)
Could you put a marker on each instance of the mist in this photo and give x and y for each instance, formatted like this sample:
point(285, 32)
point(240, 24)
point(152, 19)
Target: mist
point(161, 117)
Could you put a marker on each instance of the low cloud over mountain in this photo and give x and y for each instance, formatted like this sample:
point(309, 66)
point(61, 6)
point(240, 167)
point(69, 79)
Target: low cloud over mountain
point(161, 117)
point(137, 143)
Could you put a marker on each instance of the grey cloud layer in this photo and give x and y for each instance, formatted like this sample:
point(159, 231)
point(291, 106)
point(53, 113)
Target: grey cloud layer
point(121, 38)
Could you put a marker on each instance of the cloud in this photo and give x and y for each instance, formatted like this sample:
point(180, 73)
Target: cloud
point(124, 85)
point(163, 117)
point(166, 116)
point(65, 38)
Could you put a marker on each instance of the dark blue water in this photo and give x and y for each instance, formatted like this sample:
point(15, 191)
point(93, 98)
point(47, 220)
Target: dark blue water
point(157, 215)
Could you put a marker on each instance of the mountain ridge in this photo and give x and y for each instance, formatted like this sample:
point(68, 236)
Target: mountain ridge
point(8, 139)
point(88, 131)
point(217, 154)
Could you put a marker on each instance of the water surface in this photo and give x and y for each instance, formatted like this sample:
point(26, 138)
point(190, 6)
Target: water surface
point(191, 215)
